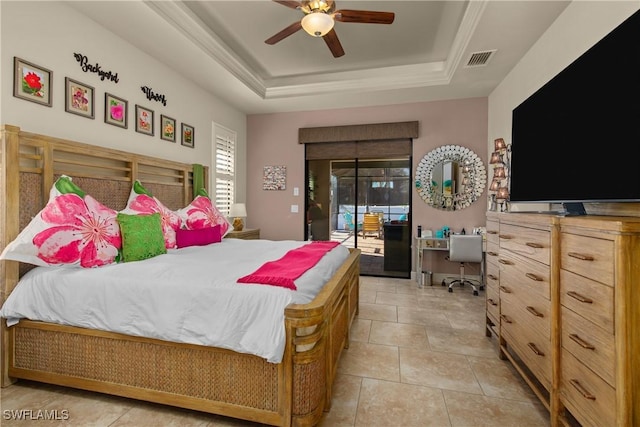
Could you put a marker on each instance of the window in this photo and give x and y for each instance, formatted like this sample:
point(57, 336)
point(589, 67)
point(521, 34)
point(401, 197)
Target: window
point(225, 168)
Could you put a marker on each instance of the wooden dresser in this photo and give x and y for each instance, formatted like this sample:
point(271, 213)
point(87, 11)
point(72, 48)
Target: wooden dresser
point(246, 234)
point(569, 312)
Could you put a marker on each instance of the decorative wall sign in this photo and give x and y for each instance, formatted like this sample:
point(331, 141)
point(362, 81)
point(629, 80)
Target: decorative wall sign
point(274, 178)
point(144, 120)
point(78, 98)
point(115, 110)
point(188, 135)
point(152, 96)
point(167, 128)
point(88, 68)
point(31, 82)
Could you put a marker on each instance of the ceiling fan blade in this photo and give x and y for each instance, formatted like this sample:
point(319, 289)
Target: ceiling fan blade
point(289, 3)
point(296, 26)
point(364, 16)
point(331, 38)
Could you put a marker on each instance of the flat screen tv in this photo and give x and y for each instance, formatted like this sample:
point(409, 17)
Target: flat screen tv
point(575, 139)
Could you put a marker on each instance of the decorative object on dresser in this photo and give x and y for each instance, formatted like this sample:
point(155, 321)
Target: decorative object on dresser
point(238, 211)
point(568, 311)
point(499, 187)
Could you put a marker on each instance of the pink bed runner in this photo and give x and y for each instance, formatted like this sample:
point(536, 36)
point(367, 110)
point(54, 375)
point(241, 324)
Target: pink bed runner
point(282, 272)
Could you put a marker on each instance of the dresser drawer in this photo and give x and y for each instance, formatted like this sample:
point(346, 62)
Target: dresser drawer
point(534, 353)
point(529, 310)
point(528, 242)
point(493, 249)
point(492, 272)
point(524, 274)
point(589, 398)
point(588, 256)
point(591, 300)
point(493, 304)
point(590, 344)
point(493, 228)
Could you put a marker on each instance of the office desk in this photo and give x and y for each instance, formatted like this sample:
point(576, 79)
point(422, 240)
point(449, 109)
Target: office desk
point(427, 244)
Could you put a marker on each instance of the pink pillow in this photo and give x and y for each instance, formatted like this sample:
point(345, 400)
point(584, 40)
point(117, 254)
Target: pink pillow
point(201, 213)
point(141, 201)
point(198, 237)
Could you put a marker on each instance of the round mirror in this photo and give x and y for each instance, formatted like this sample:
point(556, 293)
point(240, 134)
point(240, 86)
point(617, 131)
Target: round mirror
point(450, 177)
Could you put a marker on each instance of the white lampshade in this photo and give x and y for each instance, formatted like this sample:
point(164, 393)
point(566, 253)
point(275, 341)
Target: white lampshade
point(317, 24)
point(238, 210)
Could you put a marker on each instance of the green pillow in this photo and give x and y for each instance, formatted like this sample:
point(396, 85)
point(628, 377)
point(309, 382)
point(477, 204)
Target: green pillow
point(142, 236)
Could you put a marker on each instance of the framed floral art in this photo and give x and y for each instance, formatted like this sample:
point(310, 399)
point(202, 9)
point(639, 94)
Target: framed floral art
point(31, 82)
point(115, 110)
point(79, 98)
point(144, 120)
point(188, 135)
point(167, 128)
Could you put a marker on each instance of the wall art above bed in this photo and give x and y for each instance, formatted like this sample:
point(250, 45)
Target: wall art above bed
point(31, 82)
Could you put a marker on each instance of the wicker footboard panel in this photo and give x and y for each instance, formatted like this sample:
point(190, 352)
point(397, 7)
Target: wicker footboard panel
point(189, 376)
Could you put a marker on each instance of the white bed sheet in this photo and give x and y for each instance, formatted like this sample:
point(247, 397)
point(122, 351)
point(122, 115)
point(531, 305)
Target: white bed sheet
point(188, 295)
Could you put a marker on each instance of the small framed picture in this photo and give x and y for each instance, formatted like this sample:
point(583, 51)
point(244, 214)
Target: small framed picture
point(188, 135)
point(31, 82)
point(78, 98)
point(167, 128)
point(115, 110)
point(144, 120)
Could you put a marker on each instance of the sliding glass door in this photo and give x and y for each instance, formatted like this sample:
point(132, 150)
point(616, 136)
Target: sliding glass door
point(366, 205)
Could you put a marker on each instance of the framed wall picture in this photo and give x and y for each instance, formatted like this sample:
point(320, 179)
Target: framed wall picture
point(188, 135)
point(167, 128)
point(31, 82)
point(79, 98)
point(115, 110)
point(274, 178)
point(144, 120)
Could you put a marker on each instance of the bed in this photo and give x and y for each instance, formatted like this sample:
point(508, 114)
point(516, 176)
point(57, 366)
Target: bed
point(295, 391)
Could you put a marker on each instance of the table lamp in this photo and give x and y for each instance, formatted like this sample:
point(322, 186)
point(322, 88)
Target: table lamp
point(238, 211)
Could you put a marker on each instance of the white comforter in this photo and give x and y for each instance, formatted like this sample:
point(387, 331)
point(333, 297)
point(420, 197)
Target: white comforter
point(189, 295)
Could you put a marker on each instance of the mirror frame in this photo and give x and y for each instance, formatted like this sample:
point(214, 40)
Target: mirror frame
point(477, 174)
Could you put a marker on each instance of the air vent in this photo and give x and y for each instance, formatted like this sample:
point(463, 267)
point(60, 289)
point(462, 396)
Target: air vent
point(479, 59)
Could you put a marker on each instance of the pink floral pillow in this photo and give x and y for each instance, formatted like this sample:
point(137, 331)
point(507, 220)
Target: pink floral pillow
point(73, 229)
point(201, 213)
point(141, 201)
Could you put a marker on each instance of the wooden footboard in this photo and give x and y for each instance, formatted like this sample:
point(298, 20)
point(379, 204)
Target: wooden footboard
point(293, 392)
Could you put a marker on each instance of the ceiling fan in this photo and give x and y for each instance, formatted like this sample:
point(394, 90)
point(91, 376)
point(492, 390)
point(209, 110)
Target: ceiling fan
point(319, 18)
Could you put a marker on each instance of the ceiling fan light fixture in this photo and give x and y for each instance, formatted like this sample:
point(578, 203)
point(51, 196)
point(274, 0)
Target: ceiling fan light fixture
point(317, 24)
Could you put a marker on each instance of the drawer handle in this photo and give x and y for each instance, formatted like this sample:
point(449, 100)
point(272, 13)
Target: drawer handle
point(491, 253)
point(505, 289)
point(581, 256)
point(534, 245)
point(533, 348)
point(582, 343)
point(579, 297)
point(506, 318)
point(505, 236)
point(491, 301)
point(534, 311)
point(492, 232)
point(582, 390)
point(534, 277)
point(505, 261)
point(492, 277)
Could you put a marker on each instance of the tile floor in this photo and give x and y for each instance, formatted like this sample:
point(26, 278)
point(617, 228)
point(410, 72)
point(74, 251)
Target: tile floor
point(418, 357)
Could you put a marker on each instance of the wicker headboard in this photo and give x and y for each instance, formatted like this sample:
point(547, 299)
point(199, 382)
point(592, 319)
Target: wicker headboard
point(30, 164)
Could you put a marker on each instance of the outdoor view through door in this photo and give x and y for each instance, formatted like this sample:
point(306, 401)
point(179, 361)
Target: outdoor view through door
point(364, 204)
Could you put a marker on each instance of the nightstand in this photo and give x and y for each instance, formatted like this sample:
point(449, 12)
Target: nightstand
point(246, 234)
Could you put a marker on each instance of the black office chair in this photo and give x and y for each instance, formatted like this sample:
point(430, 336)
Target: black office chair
point(465, 248)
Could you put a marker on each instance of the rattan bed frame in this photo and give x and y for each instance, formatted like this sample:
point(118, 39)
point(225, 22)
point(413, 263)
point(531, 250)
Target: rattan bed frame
point(294, 392)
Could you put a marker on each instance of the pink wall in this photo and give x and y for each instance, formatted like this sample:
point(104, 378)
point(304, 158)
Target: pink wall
point(272, 139)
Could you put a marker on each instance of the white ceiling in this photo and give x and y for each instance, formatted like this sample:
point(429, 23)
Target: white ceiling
point(421, 56)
